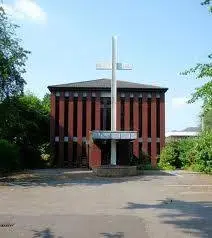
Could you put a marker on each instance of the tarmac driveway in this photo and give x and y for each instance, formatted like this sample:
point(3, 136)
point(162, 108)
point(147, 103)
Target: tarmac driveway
point(64, 203)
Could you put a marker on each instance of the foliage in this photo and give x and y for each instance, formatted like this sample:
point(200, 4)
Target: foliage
point(46, 101)
point(12, 59)
point(203, 153)
point(207, 117)
point(186, 152)
point(169, 157)
point(209, 3)
point(202, 71)
point(24, 120)
point(10, 156)
point(31, 157)
point(191, 153)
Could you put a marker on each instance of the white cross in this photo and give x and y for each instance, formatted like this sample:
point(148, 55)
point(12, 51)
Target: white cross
point(113, 66)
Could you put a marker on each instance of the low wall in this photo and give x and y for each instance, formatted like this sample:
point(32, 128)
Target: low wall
point(115, 171)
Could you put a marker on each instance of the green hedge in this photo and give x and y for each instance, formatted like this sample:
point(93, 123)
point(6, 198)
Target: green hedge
point(9, 156)
point(192, 153)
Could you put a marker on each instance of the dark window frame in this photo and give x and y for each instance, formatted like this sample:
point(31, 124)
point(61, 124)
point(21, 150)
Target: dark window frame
point(131, 114)
point(149, 116)
point(140, 116)
point(66, 109)
point(84, 116)
point(93, 113)
point(75, 108)
point(158, 117)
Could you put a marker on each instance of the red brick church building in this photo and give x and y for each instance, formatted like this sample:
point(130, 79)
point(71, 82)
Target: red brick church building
point(81, 117)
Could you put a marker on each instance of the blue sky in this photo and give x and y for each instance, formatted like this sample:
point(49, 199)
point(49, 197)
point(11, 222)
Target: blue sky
point(160, 38)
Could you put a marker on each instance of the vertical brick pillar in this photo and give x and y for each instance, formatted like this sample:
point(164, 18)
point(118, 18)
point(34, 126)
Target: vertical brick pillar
point(96, 150)
point(153, 131)
point(135, 125)
point(52, 119)
point(144, 123)
point(88, 125)
point(118, 114)
point(79, 130)
point(70, 129)
point(162, 120)
point(127, 113)
point(61, 129)
point(97, 112)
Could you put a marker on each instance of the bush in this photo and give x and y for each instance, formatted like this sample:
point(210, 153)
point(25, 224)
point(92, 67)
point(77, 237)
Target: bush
point(203, 153)
point(9, 156)
point(186, 152)
point(169, 157)
point(24, 121)
point(192, 153)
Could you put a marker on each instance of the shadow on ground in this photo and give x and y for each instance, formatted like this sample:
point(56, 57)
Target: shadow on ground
point(56, 178)
point(191, 217)
point(46, 233)
point(112, 235)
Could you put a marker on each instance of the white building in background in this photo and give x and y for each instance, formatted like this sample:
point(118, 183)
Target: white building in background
point(177, 135)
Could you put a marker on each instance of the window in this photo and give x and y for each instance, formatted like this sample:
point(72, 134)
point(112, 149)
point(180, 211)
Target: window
point(158, 148)
point(140, 116)
point(93, 116)
point(149, 149)
point(158, 116)
point(65, 152)
point(66, 117)
point(108, 114)
point(122, 114)
point(102, 114)
point(74, 154)
point(56, 153)
point(84, 149)
point(57, 116)
point(84, 117)
point(75, 117)
point(149, 117)
point(131, 114)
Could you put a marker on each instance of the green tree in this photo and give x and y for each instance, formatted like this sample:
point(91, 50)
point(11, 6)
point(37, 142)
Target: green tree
point(12, 59)
point(46, 101)
point(207, 118)
point(24, 121)
point(203, 71)
point(208, 3)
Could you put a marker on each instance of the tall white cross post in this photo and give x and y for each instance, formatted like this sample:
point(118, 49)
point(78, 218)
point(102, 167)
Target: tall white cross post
point(114, 66)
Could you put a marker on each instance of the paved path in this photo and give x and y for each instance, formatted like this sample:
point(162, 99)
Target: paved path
point(80, 205)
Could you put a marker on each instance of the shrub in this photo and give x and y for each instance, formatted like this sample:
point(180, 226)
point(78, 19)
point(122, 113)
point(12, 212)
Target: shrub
point(191, 153)
point(9, 156)
point(203, 153)
point(169, 157)
point(186, 152)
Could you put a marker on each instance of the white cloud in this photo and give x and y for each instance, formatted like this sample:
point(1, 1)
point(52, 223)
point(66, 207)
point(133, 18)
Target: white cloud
point(26, 9)
point(179, 102)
